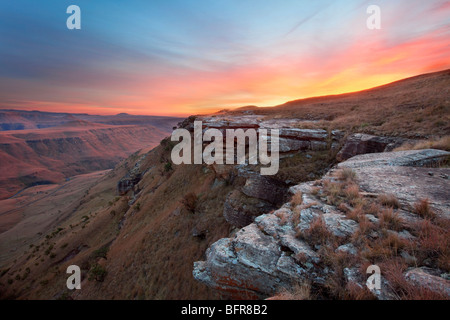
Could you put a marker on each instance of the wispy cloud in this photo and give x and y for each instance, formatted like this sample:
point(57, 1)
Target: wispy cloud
point(186, 56)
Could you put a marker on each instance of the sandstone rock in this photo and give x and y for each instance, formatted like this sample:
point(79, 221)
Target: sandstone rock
point(240, 210)
point(127, 183)
point(348, 248)
point(304, 134)
point(360, 143)
point(288, 145)
point(385, 292)
point(250, 265)
point(410, 158)
point(265, 188)
point(419, 277)
point(339, 225)
point(399, 173)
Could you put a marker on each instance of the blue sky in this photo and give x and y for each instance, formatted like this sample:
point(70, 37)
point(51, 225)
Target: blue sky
point(190, 56)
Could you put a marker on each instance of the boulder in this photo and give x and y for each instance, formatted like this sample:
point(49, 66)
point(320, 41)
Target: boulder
point(251, 265)
point(399, 173)
point(240, 210)
point(419, 277)
point(360, 143)
point(127, 183)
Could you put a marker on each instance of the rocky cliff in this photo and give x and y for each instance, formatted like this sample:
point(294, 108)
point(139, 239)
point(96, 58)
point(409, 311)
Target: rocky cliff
point(293, 244)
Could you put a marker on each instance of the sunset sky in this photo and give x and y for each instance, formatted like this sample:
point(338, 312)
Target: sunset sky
point(180, 57)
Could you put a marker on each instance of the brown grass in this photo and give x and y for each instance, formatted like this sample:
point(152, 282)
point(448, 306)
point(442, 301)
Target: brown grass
point(284, 217)
point(336, 285)
point(347, 174)
point(423, 209)
point(390, 220)
point(317, 233)
point(299, 291)
point(190, 202)
point(442, 143)
point(433, 244)
point(297, 199)
point(393, 271)
point(389, 200)
point(352, 192)
point(385, 248)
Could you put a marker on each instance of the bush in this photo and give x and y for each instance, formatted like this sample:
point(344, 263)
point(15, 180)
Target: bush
point(190, 201)
point(97, 273)
point(101, 253)
point(168, 166)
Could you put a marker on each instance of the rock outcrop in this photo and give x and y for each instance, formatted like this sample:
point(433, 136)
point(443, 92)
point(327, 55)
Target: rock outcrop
point(254, 194)
point(360, 143)
point(405, 174)
point(268, 255)
point(131, 179)
point(291, 139)
point(421, 278)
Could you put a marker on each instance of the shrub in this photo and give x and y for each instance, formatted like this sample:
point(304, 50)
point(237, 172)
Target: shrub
point(168, 166)
point(97, 273)
point(101, 253)
point(190, 201)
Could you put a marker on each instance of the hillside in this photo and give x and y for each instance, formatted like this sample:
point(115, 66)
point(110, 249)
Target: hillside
point(417, 107)
point(148, 229)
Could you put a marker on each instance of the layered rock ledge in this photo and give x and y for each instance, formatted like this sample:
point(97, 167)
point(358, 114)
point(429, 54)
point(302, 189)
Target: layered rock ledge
point(267, 255)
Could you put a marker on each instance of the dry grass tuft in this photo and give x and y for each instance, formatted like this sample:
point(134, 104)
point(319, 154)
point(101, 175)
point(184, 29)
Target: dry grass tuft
point(423, 209)
point(347, 174)
point(387, 247)
point(297, 199)
point(352, 192)
point(190, 202)
point(389, 200)
point(390, 220)
point(299, 291)
point(393, 271)
point(355, 291)
point(317, 233)
point(283, 216)
point(433, 244)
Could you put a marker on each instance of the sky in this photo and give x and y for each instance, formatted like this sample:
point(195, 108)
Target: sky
point(181, 57)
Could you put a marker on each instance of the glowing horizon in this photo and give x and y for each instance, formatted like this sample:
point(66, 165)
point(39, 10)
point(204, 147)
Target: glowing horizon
point(184, 57)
